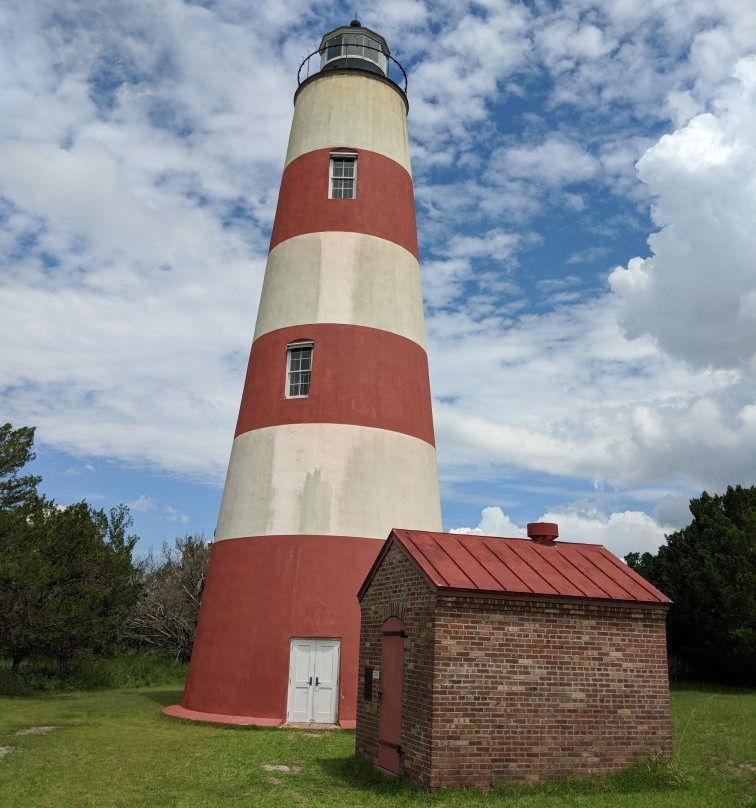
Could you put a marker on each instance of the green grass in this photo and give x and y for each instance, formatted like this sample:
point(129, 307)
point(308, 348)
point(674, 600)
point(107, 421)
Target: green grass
point(115, 748)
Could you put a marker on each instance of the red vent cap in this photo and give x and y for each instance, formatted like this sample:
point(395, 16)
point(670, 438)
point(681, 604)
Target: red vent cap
point(543, 532)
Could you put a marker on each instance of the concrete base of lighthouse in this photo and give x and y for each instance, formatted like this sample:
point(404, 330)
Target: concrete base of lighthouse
point(261, 593)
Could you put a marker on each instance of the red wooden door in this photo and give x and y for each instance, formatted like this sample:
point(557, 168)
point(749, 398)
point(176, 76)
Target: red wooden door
point(392, 685)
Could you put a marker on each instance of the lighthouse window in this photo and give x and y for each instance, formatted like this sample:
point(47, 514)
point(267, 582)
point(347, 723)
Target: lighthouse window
point(343, 176)
point(298, 369)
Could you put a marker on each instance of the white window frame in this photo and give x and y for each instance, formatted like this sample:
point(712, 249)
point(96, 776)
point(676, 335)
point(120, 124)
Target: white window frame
point(290, 374)
point(352, 156)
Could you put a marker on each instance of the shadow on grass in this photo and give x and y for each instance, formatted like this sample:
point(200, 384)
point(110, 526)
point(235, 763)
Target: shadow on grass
point(163, 697)
point(645, 777)
point(711, 687)
point(356, 773)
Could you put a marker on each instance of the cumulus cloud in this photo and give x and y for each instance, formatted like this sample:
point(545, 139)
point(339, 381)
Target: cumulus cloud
point(493, 522)
point(142, 503)
point(620, 532)
point(566, 393)
point(555, 162)
point(694, 295)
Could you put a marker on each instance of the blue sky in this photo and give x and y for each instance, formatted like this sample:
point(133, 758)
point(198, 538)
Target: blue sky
point(585, 177)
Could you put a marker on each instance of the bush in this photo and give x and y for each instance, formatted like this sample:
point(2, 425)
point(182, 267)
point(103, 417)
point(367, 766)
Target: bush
point(130, 669)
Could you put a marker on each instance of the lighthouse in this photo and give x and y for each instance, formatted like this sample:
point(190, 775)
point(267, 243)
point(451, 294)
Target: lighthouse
point(334, 442)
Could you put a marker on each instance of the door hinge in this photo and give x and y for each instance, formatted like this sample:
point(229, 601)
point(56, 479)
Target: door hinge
point(395, 634)
point(391, 745)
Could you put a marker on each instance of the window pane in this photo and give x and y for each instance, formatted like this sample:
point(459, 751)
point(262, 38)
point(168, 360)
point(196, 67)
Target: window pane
point(299, 361)
point(354, 44)
point(333, 48)
point(343, 167)
point(343, 189)
point(373, 50)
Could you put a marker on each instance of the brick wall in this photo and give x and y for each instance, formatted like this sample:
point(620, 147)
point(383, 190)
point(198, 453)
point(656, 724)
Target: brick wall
point(538, 690)
point(508, 689)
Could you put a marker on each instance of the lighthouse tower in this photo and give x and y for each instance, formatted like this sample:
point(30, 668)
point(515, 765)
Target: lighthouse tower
point(334, 442)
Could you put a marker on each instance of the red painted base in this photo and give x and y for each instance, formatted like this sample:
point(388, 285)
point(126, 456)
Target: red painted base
point(260, 593)
point(177, 711)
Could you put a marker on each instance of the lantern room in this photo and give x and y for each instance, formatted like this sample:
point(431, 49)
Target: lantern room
point(356, 47)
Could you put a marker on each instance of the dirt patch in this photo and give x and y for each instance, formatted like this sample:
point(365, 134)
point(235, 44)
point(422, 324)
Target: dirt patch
point(278, 767)
point(5, 750)
point(35, 731)
point(733, 767)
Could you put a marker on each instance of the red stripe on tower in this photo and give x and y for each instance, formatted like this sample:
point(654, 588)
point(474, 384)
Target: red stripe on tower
point(384, 205)
point(360, 376)
point(334, 443)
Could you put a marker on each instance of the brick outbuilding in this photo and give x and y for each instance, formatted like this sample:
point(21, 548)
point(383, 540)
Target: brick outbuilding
point(486, 658)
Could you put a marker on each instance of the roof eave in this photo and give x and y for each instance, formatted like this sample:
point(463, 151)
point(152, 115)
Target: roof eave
point(533, 596)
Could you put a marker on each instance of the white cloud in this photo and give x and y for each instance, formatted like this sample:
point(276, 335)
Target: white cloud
point(493, 522)
point(566, 393)
point(171, 514)
point(562, 42)
point(555, 162)
point(620, 532)
point(494, 244)
point(142, 503)
point(693, 294)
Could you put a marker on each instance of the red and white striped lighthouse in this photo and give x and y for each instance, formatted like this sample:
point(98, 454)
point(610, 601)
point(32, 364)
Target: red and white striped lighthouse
point(334, 442)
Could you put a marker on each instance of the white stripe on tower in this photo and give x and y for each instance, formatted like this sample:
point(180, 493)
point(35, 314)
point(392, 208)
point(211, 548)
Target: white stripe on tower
point(313, 481)
point(351, 262)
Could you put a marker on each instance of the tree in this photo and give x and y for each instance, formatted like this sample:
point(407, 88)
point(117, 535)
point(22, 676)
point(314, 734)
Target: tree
point(15, 452)
point(165, 616)
point(708, 569)
point(67, 582)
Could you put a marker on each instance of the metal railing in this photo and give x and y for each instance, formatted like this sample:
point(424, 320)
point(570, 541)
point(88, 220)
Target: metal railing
point(352, 60)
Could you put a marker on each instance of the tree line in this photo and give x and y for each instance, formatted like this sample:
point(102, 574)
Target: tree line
point(69, 582)
point(70, 585)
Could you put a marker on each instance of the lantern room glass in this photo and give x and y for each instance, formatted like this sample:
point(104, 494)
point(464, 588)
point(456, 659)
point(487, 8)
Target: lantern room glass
point(354, 45)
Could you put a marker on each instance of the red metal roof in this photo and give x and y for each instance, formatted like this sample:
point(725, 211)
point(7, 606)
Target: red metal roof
point(494, 564)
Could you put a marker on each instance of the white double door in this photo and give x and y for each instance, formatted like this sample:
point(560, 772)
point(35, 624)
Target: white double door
point(313, 681)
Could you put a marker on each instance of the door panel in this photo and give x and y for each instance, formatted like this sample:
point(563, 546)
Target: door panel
point(300, 681)
point(326, 682)
point(392, 686)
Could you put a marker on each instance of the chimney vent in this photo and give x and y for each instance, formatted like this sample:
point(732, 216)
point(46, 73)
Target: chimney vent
point(543, 532)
